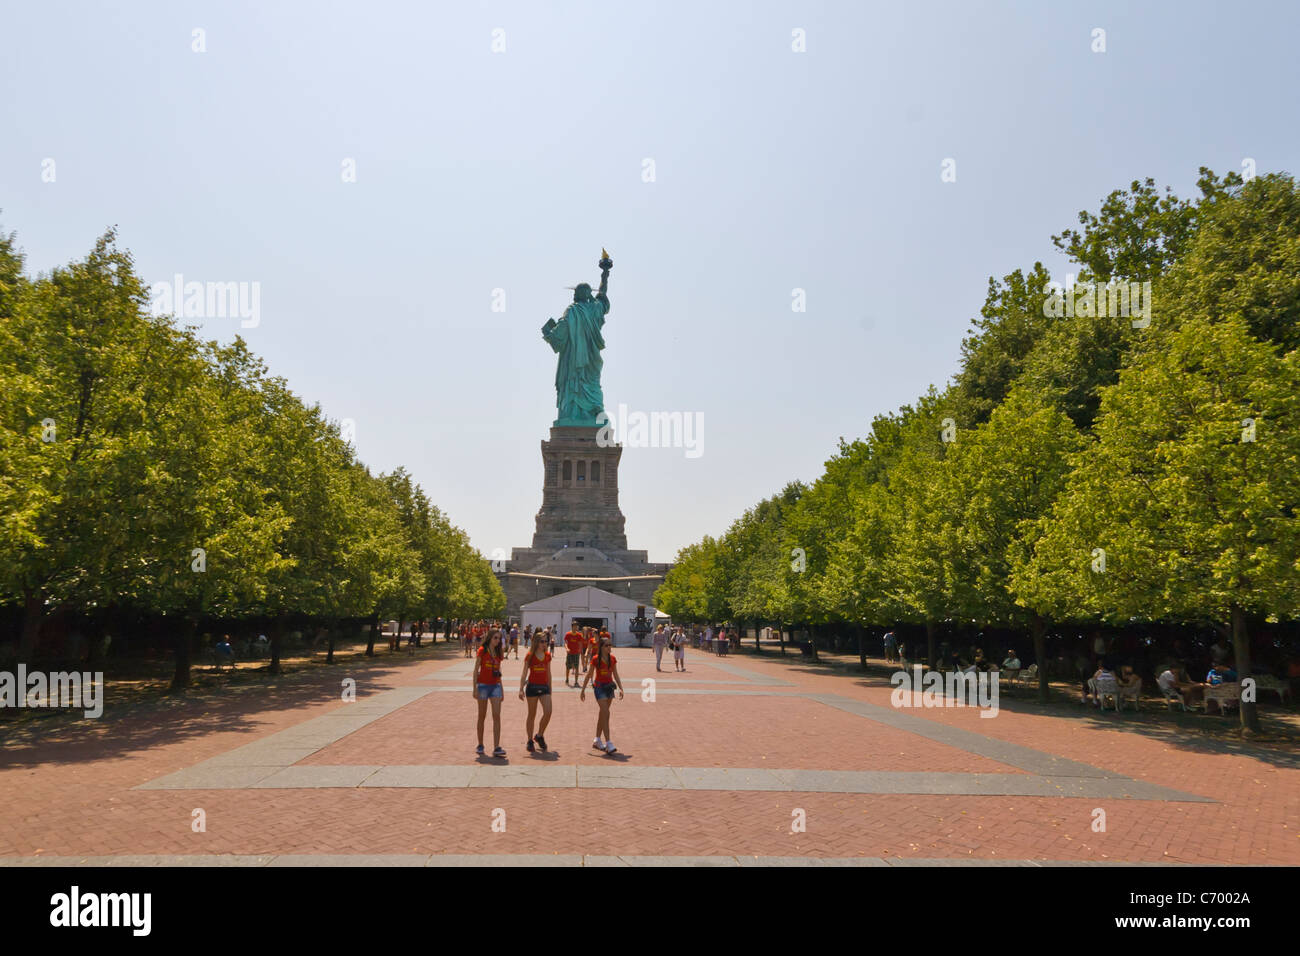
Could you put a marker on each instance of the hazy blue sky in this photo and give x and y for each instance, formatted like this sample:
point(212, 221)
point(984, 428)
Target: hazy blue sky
point(476, 170)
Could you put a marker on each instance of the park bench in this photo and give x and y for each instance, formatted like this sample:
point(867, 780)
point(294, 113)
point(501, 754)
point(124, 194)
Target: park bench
point(1268, 682)
point(1223, 695)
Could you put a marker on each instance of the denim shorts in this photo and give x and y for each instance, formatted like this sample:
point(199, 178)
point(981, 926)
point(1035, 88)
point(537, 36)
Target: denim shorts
point(603, 691)
point(489, 691)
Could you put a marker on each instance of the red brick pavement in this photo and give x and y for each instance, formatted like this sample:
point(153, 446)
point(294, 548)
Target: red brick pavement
point(73, 795)
point(674, 730)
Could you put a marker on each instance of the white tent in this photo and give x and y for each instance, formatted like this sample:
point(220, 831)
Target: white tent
point(585, 605)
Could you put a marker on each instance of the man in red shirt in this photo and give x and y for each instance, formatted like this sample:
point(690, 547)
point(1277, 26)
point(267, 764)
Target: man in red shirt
point(573, 655)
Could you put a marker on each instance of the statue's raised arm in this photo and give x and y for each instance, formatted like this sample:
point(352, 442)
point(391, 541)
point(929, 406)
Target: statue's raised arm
point(606, 263)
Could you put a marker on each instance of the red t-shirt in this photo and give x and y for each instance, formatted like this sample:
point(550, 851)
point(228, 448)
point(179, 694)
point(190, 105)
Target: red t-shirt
point(604, 672)
point(489, 667)
point(539, 672)
point(573, 642)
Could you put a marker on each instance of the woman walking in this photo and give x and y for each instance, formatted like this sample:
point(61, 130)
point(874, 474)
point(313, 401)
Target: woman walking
point(535, 685)
point(487, 687)
point(604, 671)
point(659, 641)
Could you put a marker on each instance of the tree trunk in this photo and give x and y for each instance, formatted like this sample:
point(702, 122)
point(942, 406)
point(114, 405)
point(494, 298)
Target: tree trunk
point(277, 641)
point(181, 641)
point(929, 643)
point(33, 615)
point(329, 642)
point(374, 632)
point(780, 638)
point(1038, 628)
point(94, 642)
point(862, 646)
point(1241, 647)
point(758, 637)
point(395, 644)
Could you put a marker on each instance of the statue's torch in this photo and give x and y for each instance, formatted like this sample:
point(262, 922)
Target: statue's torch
point(606, 263)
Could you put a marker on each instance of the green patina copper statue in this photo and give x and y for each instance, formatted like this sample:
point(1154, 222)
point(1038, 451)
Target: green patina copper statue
point(577, 340)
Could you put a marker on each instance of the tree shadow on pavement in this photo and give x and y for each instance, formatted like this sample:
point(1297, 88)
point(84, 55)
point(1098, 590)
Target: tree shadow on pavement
point(154, 719)
point(1197, 732)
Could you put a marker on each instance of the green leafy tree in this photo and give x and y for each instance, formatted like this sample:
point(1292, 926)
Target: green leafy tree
point(1011, 323)
point(78, 429)
point(1184, 508)
point(1002, 478)
point(1244, 259)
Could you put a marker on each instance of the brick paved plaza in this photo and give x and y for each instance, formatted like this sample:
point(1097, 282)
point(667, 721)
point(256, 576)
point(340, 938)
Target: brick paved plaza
point(712, 771)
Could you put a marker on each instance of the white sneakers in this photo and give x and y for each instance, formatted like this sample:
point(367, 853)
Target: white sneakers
point(607, 746)
point(596, 744)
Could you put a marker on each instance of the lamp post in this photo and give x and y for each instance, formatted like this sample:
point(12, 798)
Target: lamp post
point(640, 625)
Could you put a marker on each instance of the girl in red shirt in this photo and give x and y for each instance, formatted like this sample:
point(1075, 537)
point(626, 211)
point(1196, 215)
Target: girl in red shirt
point(604, 670)
point(535, 684)
point(487, 687)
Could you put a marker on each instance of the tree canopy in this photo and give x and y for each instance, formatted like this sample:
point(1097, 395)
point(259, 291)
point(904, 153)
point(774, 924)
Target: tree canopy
point(1163, 452)
point(141, 466)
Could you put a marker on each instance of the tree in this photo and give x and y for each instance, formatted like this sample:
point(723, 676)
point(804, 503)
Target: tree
point(1244, 258)
point(756, 560)
point(1185, 506)
point(207, 509)
point(1136, 234)
point(695, 588)
point(893, 564)
point(78, 428)
point(1003, 476)
point(1011, 323)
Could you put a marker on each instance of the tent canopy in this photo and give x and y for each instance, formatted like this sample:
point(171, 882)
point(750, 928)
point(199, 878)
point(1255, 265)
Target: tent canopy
point(586, 605)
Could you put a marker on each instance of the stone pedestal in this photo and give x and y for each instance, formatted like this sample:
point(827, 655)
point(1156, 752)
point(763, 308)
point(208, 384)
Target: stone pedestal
point(579, 537)
point(579, 493)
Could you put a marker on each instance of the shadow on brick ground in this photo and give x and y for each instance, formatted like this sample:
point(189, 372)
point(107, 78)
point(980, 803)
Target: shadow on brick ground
point(149, 717)
point(1197, 732)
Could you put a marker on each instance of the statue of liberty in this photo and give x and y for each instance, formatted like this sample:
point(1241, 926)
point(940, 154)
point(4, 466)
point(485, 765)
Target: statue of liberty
point(576, 338)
